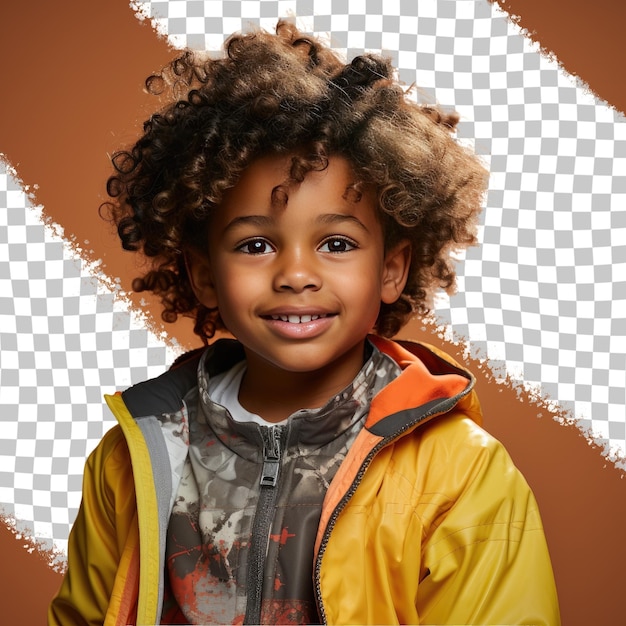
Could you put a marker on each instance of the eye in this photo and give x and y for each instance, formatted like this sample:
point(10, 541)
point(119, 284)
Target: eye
point(255, 246)
point(337, 244)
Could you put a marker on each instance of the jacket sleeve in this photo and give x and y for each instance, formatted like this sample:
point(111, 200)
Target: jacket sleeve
point(102, 536)
point(486, 561)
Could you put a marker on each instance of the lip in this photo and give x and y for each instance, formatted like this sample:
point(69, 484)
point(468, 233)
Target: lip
point(298, 323)
point(301, 309)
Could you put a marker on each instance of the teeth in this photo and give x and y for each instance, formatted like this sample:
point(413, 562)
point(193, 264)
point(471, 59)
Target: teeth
point(297, 319)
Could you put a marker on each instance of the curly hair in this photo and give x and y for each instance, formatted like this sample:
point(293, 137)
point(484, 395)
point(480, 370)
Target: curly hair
point(288, 93)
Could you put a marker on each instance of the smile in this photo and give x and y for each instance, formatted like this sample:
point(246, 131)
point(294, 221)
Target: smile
point(299, 325)
point(297, 319)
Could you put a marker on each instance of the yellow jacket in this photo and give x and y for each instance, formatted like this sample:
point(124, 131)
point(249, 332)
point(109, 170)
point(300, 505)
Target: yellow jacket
point(426, 522)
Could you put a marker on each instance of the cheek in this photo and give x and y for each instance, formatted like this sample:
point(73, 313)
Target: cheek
point(236, 289)
point(362, 291)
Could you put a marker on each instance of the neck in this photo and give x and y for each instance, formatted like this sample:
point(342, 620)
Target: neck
point(275, 394)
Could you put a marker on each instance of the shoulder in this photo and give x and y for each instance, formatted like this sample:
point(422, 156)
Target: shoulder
point(112, 448)
point(457, 433)
point(108, 471)
point(457, 458)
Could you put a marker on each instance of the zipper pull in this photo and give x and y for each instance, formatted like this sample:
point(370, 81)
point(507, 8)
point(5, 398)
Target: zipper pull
point(271, 455)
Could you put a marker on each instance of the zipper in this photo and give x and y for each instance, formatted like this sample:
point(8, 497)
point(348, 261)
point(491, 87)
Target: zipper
point(271, 455)
point(331, 523)
point(356, 482)
point(273, 443)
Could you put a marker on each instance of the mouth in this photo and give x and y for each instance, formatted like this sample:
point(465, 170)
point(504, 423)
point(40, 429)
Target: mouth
point(297, 319)
point(299, 325)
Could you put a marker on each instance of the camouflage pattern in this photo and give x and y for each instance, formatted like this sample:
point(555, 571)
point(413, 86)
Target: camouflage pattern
point(210, 536)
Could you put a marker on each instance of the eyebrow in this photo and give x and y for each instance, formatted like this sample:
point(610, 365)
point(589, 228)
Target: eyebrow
point(268, 220)
point(254, 220)
point(338, 218)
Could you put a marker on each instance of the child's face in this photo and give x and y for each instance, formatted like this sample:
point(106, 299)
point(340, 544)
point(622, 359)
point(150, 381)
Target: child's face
point(299, 284)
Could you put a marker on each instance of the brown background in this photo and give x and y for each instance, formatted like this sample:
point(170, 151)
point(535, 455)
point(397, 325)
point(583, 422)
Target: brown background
point(71, 81)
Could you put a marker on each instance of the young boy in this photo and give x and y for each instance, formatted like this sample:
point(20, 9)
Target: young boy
point(307, 471)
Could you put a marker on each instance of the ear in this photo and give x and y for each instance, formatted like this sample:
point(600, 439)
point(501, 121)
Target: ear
point(201, 277)
point(395, 271)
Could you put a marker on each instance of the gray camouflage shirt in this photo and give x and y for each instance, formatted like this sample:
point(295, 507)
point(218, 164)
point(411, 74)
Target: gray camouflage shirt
point(242, 529)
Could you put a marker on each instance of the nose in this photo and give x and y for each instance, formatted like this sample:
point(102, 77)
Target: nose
point(296, 271)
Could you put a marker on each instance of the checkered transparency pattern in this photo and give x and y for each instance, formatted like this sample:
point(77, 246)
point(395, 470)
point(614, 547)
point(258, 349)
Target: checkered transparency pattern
point(542, 298)
point(65, 336)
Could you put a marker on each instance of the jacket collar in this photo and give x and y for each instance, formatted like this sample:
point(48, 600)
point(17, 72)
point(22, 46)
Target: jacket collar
point(431, 383)
point(307, 428)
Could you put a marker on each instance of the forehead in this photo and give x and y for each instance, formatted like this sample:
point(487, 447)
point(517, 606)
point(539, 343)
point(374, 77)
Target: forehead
point(264, 188)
